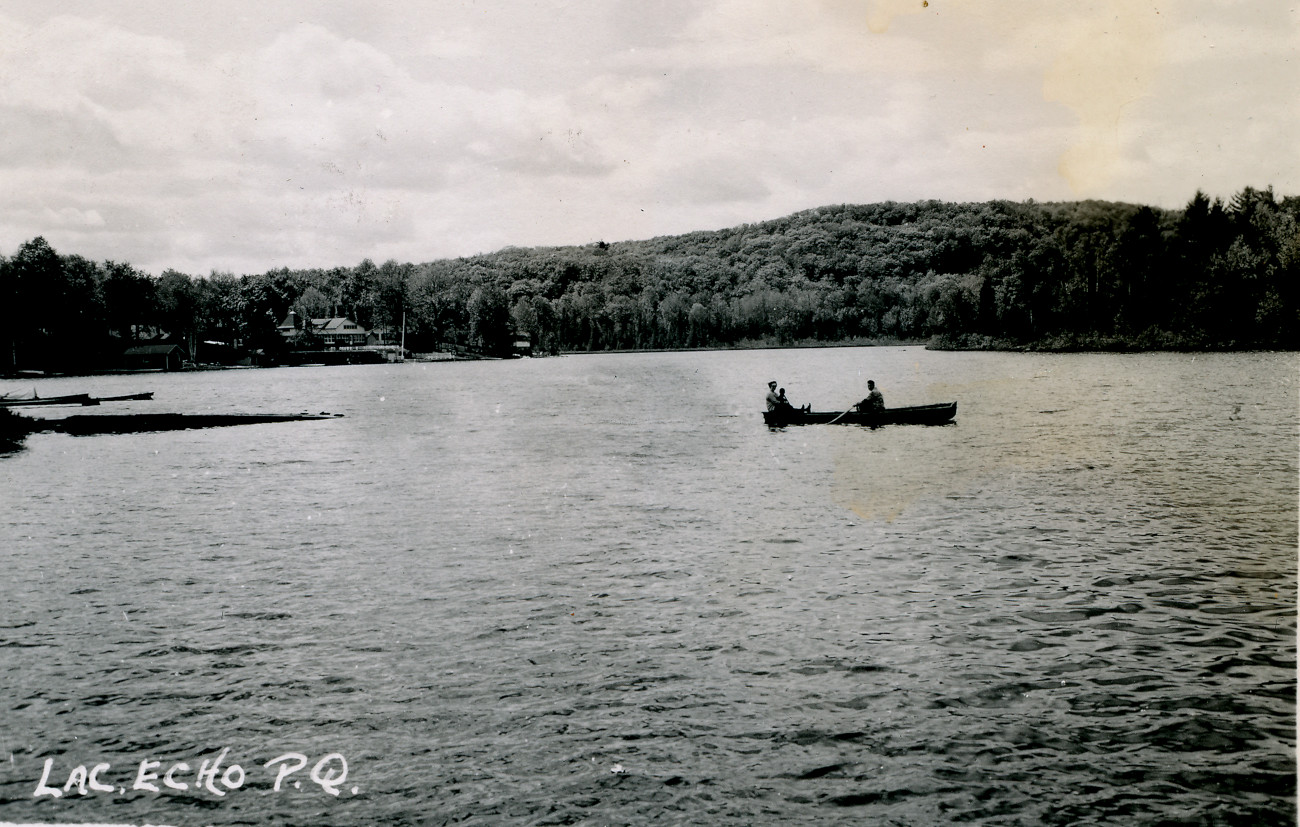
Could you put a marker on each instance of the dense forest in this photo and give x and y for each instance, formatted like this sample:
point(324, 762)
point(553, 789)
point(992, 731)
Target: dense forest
point(1074, 275)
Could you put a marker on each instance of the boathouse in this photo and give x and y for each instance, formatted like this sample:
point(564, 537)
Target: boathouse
point(164, 357)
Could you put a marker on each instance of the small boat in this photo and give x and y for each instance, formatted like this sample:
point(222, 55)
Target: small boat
point(939, 414)
point(83, 399)
point(130, 397)
point(70, 399)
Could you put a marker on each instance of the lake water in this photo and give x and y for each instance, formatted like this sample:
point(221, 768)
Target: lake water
point(597, 590)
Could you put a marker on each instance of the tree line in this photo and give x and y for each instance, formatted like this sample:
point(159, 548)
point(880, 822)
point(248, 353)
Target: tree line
point(1068, 275)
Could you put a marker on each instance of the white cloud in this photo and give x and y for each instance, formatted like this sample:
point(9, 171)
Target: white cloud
point(461, 43)
point(316, 134)
point(73, 217)
point(827, 37)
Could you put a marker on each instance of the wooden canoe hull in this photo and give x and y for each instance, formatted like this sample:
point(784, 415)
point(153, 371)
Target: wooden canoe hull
point(940, 414)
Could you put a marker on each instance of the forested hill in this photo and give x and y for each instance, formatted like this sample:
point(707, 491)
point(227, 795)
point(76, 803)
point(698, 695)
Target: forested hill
point(999, 274)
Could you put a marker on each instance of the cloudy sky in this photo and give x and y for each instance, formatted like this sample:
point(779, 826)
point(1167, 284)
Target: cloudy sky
point(243, 136)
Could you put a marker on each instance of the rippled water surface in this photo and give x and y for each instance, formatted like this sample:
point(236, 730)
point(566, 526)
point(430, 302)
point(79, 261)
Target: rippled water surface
point(597, 590)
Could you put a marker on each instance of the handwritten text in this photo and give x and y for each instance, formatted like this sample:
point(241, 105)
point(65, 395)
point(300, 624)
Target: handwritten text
point(214, 776)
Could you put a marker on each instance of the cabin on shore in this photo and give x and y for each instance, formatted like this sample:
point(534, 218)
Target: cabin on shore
point(164, 357)
point(337, 332)
point(341, 332)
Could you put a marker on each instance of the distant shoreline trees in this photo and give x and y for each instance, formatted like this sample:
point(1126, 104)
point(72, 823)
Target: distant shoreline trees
point(1001, 275)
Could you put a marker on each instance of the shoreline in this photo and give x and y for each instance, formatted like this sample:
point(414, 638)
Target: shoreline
point(1108, 346)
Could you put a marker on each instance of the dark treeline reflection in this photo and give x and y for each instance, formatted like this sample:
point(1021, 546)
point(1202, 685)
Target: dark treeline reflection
point(999, 274)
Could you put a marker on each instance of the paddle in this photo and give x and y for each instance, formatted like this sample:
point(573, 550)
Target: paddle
point(837, 419)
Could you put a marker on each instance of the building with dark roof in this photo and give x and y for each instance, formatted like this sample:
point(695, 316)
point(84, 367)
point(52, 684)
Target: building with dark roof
point(164, 357)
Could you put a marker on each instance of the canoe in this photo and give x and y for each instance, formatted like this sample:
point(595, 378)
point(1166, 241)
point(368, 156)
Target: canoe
point(86, 425)
point(130, 397)
point(71, 399)
point(939, 414)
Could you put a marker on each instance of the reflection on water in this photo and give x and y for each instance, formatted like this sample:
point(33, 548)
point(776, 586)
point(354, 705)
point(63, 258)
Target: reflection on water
point(597, 590)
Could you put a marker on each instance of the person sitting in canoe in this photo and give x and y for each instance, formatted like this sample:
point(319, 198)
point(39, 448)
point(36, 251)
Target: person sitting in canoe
point(776, 400)
point(785, 403)
point(875, 401)
point(773, 398)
